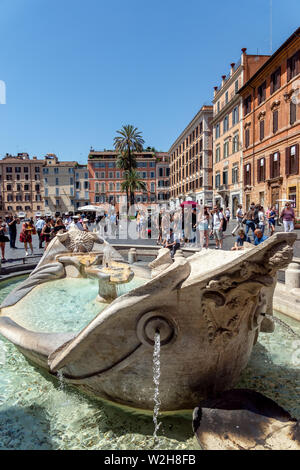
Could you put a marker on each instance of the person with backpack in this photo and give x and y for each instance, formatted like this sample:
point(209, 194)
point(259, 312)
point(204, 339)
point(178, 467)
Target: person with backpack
point(225, 220)
point(217, 227)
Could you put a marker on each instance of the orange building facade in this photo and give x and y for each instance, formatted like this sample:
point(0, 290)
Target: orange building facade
point(228, 135)
point(106, 179)
point(271, 129)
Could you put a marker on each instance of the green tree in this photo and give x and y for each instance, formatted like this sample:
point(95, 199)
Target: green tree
point(132, 183)
point(127, 143)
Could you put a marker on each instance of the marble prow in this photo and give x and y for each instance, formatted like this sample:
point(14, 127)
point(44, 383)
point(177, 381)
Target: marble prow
point(112, 334)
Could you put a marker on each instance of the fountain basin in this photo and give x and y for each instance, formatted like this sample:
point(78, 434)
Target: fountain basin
point(210, 309)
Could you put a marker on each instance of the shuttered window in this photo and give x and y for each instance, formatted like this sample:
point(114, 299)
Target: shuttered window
point(293, 66)
point(275, 80)
point(247, 174)
point(261, 170)
point(247, 138)
point(292, 160)
point(274, 165)
point(261, 93)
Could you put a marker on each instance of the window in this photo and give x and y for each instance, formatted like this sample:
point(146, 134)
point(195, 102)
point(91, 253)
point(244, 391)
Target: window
point(27, 197)
point(18, 198)
point(9, 187)
point(261, 92)
point(117, 174)
point(10, 198)
point(26, 177)
point(235, 143)
point(247, 138)
point(293, 113)
point(113, 165)
point(71, 170)
point(218, 180)
point(26, 187)
point(9, 177)
point(37, 187)
point(218, 154)
point(57, 181)
point(36, 177)
point(260, 170)
point(226, 97)
point(247, 105)
point(45, 171)
point(97, 187)
point(86, 195)
point(225, 124)
point(235, 174)
point(274, 165)
point(77, 185)
point(8, 169)
point(225, 177)
point(71, 180)
point(86, 185)
point(226, 149)
point(57, 191)
point(77, 176)
point(77, 195)
point(71, 191)
point(293, 66)
point(275, 121)
point(118, 186)
point(110, 175)
point(218, 106)
point(235, 115)
point(236, 86)
point(152, 187)
point(17, 169)
point(38, 197)
point(56, 170)
point(25, 169)
point(19, 187)
point(46, 202)
point(292, 160)
point(57, 202)
point(102, 187)
point(37, 169)
point(152, 174)
point(262, 129)
point(217, 131)
point(275, 80)
point(46, 193)
point(247, 174)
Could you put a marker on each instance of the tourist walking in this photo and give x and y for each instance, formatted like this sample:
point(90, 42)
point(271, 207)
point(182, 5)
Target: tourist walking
point(288, 217)
point(249, 218)
point(217, 227)
point(271, 220)
point(3, 239)
point(12, 229)
point(28, 229)
point(58, 227)
point(46, 232)
point(227, 214)
point(203, 227)
point(261, 219)
point(39, 227)
point(239, 219)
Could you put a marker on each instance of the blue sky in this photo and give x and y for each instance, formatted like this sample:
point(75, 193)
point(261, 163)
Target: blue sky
point(77, 70)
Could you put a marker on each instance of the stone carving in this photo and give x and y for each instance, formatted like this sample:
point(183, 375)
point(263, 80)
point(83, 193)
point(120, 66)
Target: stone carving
point(208, 308)
point(161, 262)
point(78, 241)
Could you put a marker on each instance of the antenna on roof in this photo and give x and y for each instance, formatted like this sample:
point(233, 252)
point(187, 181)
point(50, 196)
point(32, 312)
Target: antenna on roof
point(271, 46)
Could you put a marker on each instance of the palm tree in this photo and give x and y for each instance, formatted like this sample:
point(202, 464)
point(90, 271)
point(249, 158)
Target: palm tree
point(127, 143)
point(132, 183)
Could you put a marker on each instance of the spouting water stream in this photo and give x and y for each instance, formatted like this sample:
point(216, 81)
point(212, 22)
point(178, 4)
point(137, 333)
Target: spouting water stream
point(285, 326)
point(156, 377)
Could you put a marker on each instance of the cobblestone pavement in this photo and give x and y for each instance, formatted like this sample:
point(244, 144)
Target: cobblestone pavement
point(17, 256)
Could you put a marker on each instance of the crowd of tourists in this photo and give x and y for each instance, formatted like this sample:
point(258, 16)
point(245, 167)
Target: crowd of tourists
point(194, 227)
point(45, 228)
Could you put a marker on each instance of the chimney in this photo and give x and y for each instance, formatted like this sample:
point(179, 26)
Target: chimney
point(232, 68)
point(244, 49)
point(34, 158)
point(215, 90)
point(223, 79)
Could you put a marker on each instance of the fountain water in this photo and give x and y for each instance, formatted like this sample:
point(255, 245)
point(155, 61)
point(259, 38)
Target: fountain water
point(286, 327)
point(156, 377)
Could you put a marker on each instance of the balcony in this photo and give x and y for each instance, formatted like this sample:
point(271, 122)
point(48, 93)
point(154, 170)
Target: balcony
point(223, 189)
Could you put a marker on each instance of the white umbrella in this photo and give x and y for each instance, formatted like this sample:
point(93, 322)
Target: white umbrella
point(285, 200)
point(91, 208)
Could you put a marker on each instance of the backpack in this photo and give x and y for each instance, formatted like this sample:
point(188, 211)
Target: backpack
point(256, 219)
point(224, 226)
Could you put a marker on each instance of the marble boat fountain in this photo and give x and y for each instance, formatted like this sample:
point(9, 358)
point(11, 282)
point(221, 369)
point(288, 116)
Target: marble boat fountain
point(208, 308)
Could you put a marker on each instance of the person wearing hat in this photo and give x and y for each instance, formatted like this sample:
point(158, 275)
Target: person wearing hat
point(39, 227)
